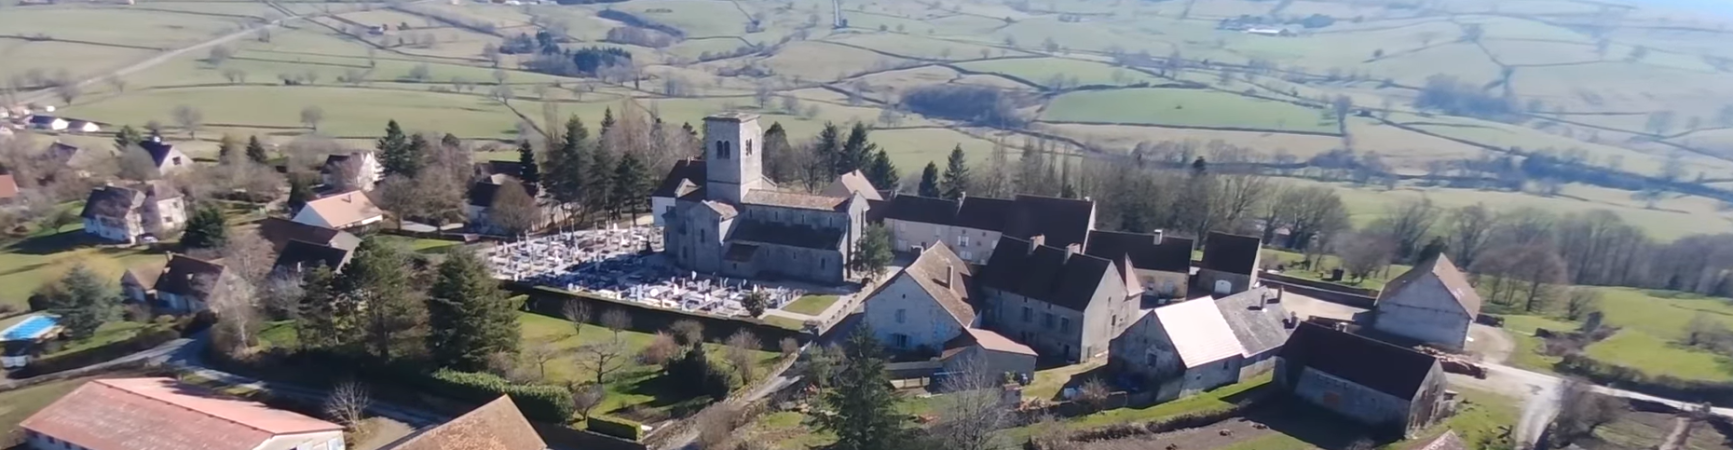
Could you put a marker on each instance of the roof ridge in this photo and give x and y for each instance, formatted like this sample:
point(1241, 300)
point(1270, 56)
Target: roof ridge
point(178, 384)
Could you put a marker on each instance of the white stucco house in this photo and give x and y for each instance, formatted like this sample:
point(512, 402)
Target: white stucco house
point(357, 170)
point(342, 211)
point(1431, 303)
point(167, 158)
point(925, 305)
point(124, 214)
point(163, 414)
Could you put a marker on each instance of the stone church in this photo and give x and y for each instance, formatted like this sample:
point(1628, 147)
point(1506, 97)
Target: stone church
point(720, 215)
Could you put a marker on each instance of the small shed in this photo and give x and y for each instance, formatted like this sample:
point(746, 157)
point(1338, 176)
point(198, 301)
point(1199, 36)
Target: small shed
point(978, 349)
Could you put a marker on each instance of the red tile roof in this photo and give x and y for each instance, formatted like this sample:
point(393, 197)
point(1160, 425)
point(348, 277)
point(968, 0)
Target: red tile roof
point(162, 414)
point(495, 426)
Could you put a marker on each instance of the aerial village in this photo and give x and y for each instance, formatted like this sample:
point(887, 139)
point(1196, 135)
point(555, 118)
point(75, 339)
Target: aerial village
point(1013, 316)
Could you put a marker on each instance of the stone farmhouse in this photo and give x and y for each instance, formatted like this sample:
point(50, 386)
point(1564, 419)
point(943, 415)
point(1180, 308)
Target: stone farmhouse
point(129, 214)
point(1189, 347)
point(162, 414)
point(722, 216)
point(1162, 264)
point(1432, 303)
point(925, 305)
point(1230, 264)
point(1064, 303)
point(971, 226)
point(982, 350)
point(1368, 381)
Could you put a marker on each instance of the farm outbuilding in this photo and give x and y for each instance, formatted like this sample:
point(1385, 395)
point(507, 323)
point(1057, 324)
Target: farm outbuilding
point(1377, 384)
point(1431, 303)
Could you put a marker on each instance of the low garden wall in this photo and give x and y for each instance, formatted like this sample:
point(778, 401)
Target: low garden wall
point(551, 302)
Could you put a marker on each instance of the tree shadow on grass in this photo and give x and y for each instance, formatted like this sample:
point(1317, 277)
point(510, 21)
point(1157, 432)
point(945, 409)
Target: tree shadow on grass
point(1313, 425)
point(668, 397)
point(51, 244)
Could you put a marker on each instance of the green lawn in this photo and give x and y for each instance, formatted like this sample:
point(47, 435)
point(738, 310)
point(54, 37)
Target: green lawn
point(1527, 353)
point(785, 322)
point(26, 265)
point(17, 405)
point(420, 245)
point(1651, 324)
point(1214, 400)
point(1183, 107)
point(1048, 383)
point(637, 384)
point(1329, 262)
point(108, 333)
point(811, 305)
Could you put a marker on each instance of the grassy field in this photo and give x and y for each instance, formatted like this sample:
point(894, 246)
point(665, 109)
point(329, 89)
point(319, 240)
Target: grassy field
point(1045, 71)
point(1183, 107)
point(26, 265)
point(811, 305)
point(1651, 325)
point(635, 386)
point(17, 405)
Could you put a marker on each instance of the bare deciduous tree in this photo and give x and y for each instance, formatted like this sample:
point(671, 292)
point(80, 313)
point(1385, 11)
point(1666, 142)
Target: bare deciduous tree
point(741, 346)
point(578, 314)
point(604, 357)
point(540, 352)
point(347, 404)
point(1581, 411)
point(586, 398)
point(688, 332)
point(1471, 229)
point(617, 320)
point(1407, 224)
point(1522, 273)
point(972, 410)
point(1365, 253)
point(311, 116)
point(660, 350)
point(1580, 301)
point(231, 298)
point(190, 119)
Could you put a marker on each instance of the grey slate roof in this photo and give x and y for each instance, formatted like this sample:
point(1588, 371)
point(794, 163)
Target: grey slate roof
point(1231, 253)
point(1062, 221)
point(1358, 359)
point(692, 171)
point(1454, 281)
point(158, 149)
point(1255, 321)
point(189, 276)
point(1045, 273)
point(303, 255)
point(1170, 255)
point(789, 235)
point(281, 231)
point(111, 201)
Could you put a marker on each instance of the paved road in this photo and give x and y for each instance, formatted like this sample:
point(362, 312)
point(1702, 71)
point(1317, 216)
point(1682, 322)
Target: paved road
point(44, 94)
point(155, 352)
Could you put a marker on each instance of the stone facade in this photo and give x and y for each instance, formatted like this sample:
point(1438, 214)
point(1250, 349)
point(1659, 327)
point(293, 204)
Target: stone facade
point(1064, 304)
point(905, 317)
point(1432, 303)
point(721, 215)
point(972, 244)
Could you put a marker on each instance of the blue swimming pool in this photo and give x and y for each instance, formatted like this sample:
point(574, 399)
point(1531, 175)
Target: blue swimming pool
point(29, 329)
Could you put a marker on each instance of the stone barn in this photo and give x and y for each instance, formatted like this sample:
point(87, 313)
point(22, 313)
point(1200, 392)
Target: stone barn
point(1180, 350)
point(1230, 265)
point(1431, 303)
point(1390, 388)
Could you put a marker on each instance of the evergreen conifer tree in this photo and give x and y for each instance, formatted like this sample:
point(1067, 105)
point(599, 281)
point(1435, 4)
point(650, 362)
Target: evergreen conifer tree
point(862, 409)
point(530, 171)
point(205, 229)
point(631, 184)
point(469, 316)
point(930, 181)
point(956, 181)
point(394, 151)
point(256, 151)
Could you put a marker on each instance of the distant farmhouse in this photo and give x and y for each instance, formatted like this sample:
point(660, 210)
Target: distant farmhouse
point(1432, 303)
point(165, 156)
point(971, 226)
point(1371, 382)
point(722, 216)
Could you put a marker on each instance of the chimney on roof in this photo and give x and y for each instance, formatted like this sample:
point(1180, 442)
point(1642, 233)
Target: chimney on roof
point(1036, 241)
point(950, 277)
point(1158, 236)
point(1070, 249)
point(1280, 290)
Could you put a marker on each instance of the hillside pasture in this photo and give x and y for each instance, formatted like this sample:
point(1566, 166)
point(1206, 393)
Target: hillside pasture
point(48, 57)
point(1123, 138)
point(698, 18)
point(120, 26)
point(819, 61)
point(1046, 71)
point(918, 47)
point(1183, 108)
